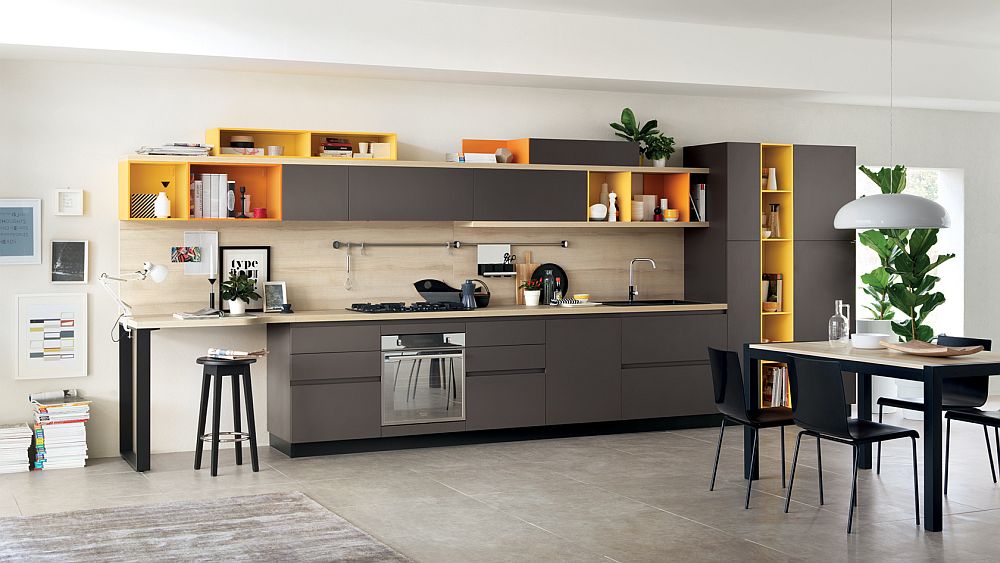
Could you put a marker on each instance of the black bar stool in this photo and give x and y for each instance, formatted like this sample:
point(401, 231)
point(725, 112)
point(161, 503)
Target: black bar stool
point(215, 370)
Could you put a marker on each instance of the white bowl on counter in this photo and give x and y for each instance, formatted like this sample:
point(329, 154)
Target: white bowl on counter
point(869, 340)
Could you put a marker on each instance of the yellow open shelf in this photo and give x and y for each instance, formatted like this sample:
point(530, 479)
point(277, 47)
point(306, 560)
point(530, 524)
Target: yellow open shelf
point(297, 143)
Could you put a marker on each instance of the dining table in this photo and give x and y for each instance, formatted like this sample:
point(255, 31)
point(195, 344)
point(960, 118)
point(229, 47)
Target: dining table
point(929, 370)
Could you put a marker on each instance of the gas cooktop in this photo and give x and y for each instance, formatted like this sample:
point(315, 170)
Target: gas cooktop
point(421, 307)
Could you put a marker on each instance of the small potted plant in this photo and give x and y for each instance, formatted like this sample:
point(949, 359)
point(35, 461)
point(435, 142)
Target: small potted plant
point(532, 292)
point(658, 149)
point(238, 290)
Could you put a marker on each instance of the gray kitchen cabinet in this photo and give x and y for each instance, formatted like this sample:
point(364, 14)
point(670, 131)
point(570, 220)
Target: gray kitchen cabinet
point(530, 195)
point(664, 391)
point(671, 338)
point(504, 333)
point(582, 370)
point(824, 180)
point(335, 411)
point(504, 400)
point(743, 293)
point(403, 193)
point(313, 193)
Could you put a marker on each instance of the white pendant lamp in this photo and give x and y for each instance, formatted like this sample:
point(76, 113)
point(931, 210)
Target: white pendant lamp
point(892, 211)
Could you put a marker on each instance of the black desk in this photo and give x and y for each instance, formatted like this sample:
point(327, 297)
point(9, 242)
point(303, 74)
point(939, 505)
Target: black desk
point(885, 363)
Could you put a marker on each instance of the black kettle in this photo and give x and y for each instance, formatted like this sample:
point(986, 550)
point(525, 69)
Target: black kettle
point(469, 294)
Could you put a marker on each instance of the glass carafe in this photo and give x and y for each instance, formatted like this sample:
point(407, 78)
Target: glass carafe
point(774, 220)
point(839, 327)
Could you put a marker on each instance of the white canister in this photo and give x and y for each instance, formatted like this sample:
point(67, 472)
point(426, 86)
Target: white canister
point(663, 204)
point(161, 207)
point(772, 178)
point(638, 210)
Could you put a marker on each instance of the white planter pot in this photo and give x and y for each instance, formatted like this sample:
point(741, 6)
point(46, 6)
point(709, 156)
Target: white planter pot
point(531, 297)
point(659, 162)
point(237, 308)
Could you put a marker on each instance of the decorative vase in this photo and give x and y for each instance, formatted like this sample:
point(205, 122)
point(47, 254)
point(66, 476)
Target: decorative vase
point(531, 297)
point(237, 307)
point(658, 162)
point(772, 178)
point(161, 207)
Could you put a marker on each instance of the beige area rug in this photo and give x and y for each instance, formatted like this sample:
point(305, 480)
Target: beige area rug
point(272, 527)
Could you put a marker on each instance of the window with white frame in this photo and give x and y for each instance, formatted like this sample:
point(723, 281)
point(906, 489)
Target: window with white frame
point(947, 187)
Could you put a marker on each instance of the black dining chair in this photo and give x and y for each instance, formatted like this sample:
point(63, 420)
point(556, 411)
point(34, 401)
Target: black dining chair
point(974, 416)
point(727, 378)
point(819, 408)
point(956, 393)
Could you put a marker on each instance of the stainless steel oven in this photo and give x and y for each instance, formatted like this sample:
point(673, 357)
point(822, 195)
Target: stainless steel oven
point(423, 378)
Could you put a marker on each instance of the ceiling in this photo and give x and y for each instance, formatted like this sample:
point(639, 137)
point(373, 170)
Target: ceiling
point(971, 22)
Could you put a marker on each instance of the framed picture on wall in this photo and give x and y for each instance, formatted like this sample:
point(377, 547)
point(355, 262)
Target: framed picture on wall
point(51, 335)
point(252, 261)
point(69, 202)
point(20, 231)
point(275, 295)
point(69, 261)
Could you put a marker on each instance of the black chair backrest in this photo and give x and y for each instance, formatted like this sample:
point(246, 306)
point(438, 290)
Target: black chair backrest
point(727, 377)
point(818, 397)
point(975, 390)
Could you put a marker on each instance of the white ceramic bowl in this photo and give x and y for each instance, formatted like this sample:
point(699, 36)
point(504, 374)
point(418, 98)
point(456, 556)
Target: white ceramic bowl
point(868, 340)
point(599, 211)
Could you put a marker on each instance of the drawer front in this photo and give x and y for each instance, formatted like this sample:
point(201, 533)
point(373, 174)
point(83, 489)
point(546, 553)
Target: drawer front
point(505, 333)
point(673, 338)
point(336, 411)
point(513, 400)
point(667, 391)
point(339, 365)
point(422, 328)
point(505, 358)
point(316, 338)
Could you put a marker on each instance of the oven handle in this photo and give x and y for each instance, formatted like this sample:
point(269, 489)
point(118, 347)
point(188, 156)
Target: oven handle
point(396, 359)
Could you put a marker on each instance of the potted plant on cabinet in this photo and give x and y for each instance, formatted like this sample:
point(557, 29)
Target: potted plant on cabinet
point(658, 149)
point(532, 292)
point(238, 291)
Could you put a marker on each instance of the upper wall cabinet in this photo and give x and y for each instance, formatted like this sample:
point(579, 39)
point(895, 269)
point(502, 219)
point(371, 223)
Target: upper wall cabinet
point(315, 193)
point(824, 182)
point(530, 195)
point(403, 193)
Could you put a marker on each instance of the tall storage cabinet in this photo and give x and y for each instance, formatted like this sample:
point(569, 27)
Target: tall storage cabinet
point(726, 262)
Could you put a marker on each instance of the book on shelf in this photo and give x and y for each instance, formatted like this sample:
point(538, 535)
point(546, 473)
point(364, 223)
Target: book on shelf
point(177, 149)
point(775, 289)
point(481, 157)
point(775, 389)
point(698, 198)
point(246, 151)
point(206, 313)
point(224, 354)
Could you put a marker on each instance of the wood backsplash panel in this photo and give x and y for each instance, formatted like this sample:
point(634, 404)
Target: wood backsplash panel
point(302, 255)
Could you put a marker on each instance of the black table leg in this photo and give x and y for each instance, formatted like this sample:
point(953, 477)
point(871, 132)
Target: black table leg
point(933, 500)
point(751, 466)
point(865, 413)
point(133, 397)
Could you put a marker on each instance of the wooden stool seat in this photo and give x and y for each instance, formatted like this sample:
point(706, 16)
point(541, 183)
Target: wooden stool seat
point(216, 370)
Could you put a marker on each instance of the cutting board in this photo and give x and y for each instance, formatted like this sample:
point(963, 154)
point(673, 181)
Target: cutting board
point(522, 273)
point(920, 348)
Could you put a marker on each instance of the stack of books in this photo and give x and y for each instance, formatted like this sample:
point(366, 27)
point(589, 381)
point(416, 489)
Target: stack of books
point(775, 389)
point(60, 429)
point(15, 440)
point(210, 196)
point(177, 149)
point(335, 147)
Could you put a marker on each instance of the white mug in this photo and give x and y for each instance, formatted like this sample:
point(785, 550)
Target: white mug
point(275, 150)
point(363, 148)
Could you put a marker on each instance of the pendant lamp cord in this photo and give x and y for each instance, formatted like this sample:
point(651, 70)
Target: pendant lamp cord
point(892, 163)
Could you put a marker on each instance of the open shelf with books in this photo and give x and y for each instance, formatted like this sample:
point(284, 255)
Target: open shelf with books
point(302, 144)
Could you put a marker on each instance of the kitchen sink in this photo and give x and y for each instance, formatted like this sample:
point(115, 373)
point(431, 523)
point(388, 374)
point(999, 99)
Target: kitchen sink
point(650, 302)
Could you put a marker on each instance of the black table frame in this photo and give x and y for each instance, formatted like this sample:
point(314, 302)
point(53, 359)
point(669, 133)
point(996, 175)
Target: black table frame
point(133, 396)
point(931, 377)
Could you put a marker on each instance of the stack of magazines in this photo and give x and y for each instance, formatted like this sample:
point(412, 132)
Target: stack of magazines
point(15, 440)
point(60, 429)
point(177, 149)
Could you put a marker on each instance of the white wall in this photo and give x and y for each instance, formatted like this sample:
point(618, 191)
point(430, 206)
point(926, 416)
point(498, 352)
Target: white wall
point(66, 124)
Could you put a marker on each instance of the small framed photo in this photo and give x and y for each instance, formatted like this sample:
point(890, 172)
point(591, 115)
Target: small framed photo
point(275, 295)
point(252, 261)
point(69, 202)
point(20, 231)
point(70, 261)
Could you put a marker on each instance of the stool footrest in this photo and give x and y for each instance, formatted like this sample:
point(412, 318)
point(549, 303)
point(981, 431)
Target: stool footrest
point(227, 437)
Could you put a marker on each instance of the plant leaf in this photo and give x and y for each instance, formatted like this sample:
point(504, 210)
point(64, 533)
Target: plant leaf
point(628, 120)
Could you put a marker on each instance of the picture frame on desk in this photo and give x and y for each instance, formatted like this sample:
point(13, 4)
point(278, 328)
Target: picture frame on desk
point(254, 262)
point(275, 295)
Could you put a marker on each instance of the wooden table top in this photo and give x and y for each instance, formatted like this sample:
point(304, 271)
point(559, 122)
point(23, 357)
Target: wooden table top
point(884, 356)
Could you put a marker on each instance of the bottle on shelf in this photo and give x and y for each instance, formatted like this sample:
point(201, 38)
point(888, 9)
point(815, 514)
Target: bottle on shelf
point(604, 194)
point(839, 326)
point(774, 221)
point(161, 206)
point(548, 287)
point(557, 294)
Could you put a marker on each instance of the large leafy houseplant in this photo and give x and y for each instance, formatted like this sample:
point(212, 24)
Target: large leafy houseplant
point(903, 278)
point(659, 146)
point(631, 130)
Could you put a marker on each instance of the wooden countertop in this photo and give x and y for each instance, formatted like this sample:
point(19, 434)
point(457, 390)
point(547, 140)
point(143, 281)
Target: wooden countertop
point(341, 315)
point(822, 349)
